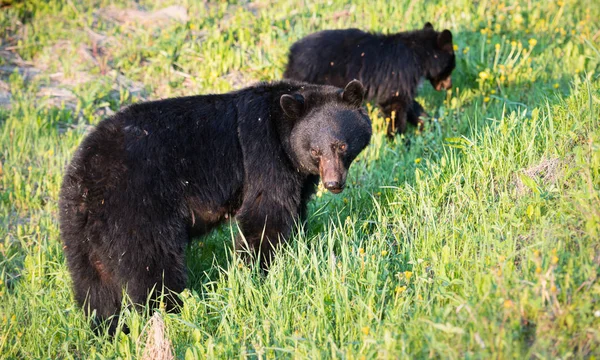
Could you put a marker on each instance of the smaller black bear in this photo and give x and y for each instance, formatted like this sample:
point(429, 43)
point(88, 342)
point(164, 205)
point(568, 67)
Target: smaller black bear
point(390, 66)
point(156, 173)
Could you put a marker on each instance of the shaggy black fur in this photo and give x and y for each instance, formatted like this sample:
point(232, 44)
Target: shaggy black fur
point(390, 66)
point(156, 173)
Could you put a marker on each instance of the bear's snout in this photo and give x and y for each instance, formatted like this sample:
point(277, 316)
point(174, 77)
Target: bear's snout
point(333, 175)
point(444, 84)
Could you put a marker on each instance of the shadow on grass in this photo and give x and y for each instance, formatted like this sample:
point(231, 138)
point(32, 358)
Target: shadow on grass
point(207, 255)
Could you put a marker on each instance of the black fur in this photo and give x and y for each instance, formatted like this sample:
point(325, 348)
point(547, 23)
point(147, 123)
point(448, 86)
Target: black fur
point(156, 173)
point(390, 66)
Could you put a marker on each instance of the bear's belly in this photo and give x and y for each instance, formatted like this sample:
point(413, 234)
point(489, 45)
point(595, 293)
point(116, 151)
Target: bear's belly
point(206, 216)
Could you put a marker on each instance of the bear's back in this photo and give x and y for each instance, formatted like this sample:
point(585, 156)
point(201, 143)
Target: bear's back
point(160, 148)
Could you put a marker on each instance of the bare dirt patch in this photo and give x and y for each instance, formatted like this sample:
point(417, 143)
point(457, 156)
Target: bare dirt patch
point(143, 17)
point(547, 172)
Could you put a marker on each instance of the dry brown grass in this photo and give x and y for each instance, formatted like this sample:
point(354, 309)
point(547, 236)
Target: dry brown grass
point(158, 346)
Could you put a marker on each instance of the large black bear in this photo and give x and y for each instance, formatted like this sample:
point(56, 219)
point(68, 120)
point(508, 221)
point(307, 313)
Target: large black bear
point(390, 66)
point(156, 173)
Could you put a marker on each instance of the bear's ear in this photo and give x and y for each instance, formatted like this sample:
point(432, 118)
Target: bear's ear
point(354, 93)
point(428, 26)
point(292, 105)
point(445, 40)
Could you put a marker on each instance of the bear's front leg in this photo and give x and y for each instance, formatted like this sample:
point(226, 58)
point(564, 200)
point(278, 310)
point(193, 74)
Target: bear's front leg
point(395, 109)
point(265, 227)
point(415, 115)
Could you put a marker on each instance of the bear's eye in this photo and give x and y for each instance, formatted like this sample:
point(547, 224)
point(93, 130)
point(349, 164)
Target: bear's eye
point(343, 147)
point(314, 152)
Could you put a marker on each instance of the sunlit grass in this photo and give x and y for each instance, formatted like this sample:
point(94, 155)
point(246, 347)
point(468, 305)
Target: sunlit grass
point(478, 240)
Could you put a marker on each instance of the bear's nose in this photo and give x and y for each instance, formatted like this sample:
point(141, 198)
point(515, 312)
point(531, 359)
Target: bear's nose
point(448, 84)
point(334, 186)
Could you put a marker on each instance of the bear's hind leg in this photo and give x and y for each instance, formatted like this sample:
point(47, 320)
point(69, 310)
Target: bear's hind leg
point(96, 288)
point(156, 269)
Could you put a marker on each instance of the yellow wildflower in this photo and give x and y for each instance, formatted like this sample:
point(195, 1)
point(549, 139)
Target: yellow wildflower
point(400, 289)
point(518, 19)
point(532, 42)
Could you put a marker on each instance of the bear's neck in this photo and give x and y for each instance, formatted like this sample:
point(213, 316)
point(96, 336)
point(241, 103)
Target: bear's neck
point(416, 42)
point(283, 126)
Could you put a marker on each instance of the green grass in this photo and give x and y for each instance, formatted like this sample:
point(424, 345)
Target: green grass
point(481, 240)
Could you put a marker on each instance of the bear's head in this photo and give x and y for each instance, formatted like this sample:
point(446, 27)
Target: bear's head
point(330, 128)
point(440, 57)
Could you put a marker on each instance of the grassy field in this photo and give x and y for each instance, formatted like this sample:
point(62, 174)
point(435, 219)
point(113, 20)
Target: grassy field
point(480, 240)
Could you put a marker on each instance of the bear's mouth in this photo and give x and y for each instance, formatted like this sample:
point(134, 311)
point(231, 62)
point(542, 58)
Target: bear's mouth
point(444, 84)
point(335, 189)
